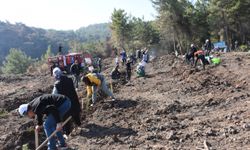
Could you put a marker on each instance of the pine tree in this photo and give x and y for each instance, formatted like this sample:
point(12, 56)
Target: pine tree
point(47, 54)
point(119, 27)
point(16, 62)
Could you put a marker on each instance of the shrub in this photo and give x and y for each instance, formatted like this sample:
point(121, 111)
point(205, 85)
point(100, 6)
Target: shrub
point(243, 48)
point(16, 62)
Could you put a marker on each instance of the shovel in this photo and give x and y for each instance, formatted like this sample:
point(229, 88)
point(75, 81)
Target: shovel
point(45, 142)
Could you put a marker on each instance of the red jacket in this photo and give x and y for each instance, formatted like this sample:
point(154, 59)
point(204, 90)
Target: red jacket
point(199, 52)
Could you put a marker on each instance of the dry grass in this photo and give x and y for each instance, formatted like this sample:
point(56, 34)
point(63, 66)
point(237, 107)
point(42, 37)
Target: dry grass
point(38, 68)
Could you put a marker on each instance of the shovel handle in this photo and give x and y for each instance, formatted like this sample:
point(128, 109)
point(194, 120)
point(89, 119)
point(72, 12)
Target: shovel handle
point(36, 139)
point(53, 134)
point(111, 86)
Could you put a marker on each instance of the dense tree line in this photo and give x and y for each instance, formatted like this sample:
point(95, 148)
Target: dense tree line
point(178, 24)
point(182, 22)
point(131, 33)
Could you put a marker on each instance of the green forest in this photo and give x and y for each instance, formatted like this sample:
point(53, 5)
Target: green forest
point(181, 22)
point(177, 25)
point(35, 41)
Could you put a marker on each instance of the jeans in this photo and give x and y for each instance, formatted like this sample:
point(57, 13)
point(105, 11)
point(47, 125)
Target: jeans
point(104, 88)
point(50, 126)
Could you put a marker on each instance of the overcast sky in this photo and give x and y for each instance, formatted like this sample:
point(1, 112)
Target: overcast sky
point(70, 14)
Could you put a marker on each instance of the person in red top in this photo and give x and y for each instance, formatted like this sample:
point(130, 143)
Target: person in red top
point(200, 55)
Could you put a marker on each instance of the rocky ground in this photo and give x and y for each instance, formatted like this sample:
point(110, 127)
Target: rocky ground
point(174, 107)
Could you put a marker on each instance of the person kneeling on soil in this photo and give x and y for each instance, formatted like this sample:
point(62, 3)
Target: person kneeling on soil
point(95, 81)
point(54, 106)
point(115, 74)
point(65, 86)
point(201, 56)
point(140, 69)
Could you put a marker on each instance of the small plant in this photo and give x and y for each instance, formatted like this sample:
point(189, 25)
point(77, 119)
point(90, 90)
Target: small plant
point(243, 48)
point(3, 113)
point(25, 147)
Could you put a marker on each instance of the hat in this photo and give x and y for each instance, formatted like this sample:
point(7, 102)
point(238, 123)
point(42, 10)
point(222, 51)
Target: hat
point(91, 68)
point(23, 109)
point(57, 72)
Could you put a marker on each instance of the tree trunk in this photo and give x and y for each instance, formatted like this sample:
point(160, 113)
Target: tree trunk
point(226, 27)
point(174, 43)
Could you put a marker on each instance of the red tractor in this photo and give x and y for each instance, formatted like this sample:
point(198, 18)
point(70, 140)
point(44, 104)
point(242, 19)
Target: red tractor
point(65, 61)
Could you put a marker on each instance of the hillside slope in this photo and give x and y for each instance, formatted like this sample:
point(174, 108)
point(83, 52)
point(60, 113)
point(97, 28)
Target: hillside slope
point(174, 107)
point(35, 41)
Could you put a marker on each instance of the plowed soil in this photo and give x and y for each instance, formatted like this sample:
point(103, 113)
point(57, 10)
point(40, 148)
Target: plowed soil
point(174, 107)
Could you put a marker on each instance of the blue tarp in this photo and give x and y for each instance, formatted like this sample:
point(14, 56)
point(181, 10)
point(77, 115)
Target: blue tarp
point(221, 44)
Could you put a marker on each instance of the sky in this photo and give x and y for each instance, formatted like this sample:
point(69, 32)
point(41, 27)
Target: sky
point(70, 14)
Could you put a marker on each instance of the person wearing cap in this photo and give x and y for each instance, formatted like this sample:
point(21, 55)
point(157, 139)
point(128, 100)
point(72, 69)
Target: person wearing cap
point(65, 86)
point(54, 106)
point(190, 54)
point(75, 70)
point(95, 81)
point(208, 47)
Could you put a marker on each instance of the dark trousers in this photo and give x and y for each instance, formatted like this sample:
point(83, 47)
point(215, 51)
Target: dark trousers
point(203, 60)
point(190, 58)
point(124, 61)
point(129, 72)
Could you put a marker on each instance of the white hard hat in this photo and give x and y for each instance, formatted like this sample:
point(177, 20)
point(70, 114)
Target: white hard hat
point(23, 109)
point(192, 45)
point(57, 72)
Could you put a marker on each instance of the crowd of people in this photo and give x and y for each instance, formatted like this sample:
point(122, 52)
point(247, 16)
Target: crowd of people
point(203, 55)
point(139, 57)
point(63, 101)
